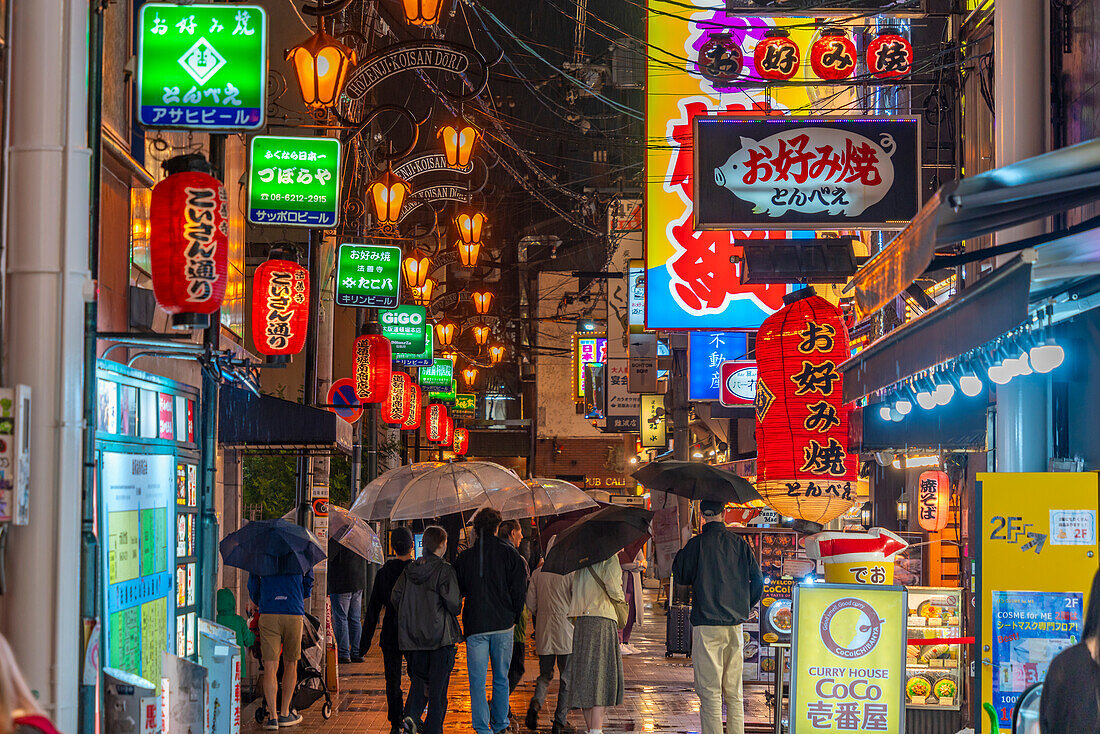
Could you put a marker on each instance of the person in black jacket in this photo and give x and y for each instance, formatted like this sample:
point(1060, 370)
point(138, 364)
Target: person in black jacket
point(1071, 692)
point(428, 601)
point(493, 580)
point(347, 577)
point(401, 541)
point(726, 584)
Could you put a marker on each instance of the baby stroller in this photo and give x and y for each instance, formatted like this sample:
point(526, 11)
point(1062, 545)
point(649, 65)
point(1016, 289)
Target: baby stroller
point(311, 686)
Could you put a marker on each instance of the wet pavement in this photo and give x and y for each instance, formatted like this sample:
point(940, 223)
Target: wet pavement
point(659, 693)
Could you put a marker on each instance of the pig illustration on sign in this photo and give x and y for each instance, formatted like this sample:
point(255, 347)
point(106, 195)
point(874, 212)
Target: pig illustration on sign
point(810, 170)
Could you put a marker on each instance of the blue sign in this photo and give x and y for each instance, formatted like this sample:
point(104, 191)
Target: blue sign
point(707, 350)
point(1029, 629)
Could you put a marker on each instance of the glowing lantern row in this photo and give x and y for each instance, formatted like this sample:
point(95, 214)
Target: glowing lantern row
point(189, 241)
point(412, 421)
point(435, 416)
point(933, 500)
point(280, 307)
point(803, 467)
point(396, 407)
point(469, 376)
point(422, 296)
point(833, 55)
point(372, 368)
point(458, 143)
point(461, 442)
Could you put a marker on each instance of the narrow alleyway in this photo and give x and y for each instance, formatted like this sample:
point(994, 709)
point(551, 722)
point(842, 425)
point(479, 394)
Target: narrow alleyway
point(659, 693)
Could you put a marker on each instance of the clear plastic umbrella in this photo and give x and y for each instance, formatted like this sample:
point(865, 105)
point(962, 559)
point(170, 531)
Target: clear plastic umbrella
point(454, 487)
point(353, 532)
point(375, 501)
point(540, 497)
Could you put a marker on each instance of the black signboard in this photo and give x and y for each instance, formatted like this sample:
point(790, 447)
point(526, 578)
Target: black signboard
point(755, 172)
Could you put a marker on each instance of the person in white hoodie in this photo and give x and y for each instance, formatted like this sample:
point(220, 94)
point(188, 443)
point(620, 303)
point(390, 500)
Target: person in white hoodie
point(548, 598)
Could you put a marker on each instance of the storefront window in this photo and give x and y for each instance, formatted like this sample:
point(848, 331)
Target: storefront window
point(139, 228)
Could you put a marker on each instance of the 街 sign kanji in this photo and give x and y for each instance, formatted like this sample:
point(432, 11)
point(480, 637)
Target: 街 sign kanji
point(202, 66)
point(775, 174)
point(294, 181)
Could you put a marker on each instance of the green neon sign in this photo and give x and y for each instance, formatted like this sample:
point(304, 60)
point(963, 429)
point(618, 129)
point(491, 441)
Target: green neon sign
point(202, 66)
point(444, 397)
point(406, 328)
point(368, 276)
point(465, 405)
point(294, 181)
point(439, 374)
point(423, 359)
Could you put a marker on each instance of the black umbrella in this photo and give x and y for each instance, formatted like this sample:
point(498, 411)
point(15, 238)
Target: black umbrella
point(696, 481)
point(597, 537)
point(272, 548)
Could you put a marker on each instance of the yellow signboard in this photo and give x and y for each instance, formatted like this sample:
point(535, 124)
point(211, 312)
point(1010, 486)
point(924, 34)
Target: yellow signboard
point(848, 669)
point(653, 426)
point(1037, 535)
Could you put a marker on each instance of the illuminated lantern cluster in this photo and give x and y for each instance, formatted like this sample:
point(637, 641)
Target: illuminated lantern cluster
point(461, 442)
point(803, 467)
point(415, 399)
point(397, 405)
point(280, 307)
point(720, 59)
point(777, 57)
point(372, 368)
point(933, 500)
point(435, 417)
point(833, 55)
point(189, 241)
point(889, 55)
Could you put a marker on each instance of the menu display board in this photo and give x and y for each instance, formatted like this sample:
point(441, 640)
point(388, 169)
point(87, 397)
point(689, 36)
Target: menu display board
point(933, 671)
point(776, 611)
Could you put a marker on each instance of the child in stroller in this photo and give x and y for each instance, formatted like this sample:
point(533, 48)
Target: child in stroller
point(311, 685)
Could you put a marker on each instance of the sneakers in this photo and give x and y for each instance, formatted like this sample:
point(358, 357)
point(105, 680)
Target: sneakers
point(408, 726)
point(625, 649)
point(532, 719)
point(272, 724)
point(293, 719)
point(358, 659)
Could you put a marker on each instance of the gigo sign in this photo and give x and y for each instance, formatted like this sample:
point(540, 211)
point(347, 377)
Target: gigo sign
point(405, 327)
point(737, 382)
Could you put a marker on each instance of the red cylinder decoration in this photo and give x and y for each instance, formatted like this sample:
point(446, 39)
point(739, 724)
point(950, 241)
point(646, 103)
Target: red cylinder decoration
point(372, 368)
point(448, 437)
point(720, 59)
point(415, 398)
point(434, 417)
point(189, 244)
point(280, 307)
point(395, 408)
point(889, 55)
point(777, 56)
point(461, 442)
point(833, 55)
point(803, 467)
point(933, 500)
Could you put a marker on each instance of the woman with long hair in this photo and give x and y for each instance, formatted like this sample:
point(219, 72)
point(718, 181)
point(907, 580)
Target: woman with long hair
point(18, 710)
point(1071, 691)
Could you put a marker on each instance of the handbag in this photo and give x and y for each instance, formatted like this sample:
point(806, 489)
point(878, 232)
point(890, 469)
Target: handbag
point(622, 609)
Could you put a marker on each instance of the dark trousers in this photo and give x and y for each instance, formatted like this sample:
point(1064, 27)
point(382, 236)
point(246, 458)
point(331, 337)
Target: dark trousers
point(542, 685)
point(515, 670)
point(395, 702)
point(430, 672)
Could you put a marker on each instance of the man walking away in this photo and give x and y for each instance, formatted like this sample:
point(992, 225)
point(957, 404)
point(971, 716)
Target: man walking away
point(347, 577)
point(493, 580)
point(548, 598)
point(281, 603)
point(401, 541)
point(726, 585)
point(427, 601)
point(511, 532)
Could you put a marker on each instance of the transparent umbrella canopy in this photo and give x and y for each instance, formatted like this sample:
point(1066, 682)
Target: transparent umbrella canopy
point(454, 487)
point(375, 501)
point(540, 497)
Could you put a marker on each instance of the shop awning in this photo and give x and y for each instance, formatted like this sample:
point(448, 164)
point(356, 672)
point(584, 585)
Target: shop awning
point(992, 201)
point(958, 426)
point(995, 305)
point(264, 423)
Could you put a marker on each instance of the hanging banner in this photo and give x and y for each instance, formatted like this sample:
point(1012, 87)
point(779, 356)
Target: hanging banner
point(848, 665)
point(588, 349)
point(202, 66)
point(707, 350)
point(368, 275)
point(653, 422)
point(294, 181)
point(623, 406)
point(419, 55)
point(754, 172)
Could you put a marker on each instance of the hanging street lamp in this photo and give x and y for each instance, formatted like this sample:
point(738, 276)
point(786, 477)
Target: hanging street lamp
point(468, 253)
point(321, 65)
point(449, 354)
point(415, 268)
point(481, 334)
point(422, 12)
point(445, 333)
point(422, 296)
point(387, 194)
point(458, 143)
point(470, 226)
point(483, 301)
point(469, 376)
point(496, 354)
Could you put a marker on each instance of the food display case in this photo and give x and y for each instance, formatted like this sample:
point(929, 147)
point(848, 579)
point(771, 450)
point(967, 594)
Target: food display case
point(933, 671)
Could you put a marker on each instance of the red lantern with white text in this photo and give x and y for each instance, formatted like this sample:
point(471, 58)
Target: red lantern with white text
point(448, 437)
point(415, 398)
point(803, 467)
point(189, 241)
point(833, 55)
point(434, 416)
point(933, 500)
point(461, 443)
point(280, 307)
point(395, 408)
point(777, 56)
point(372, 366)
point(889, 55)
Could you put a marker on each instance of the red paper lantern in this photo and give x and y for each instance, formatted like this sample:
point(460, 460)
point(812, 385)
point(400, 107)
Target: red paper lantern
point(434, 417)
point(372, 368)
point(720, 59)
point(889, 55)
point(803, 467)
point(833, 55)
point(461, 443)
point(415, 398)
point(933, 500)
point(777, 56)
point(448, 437)
point(189, 242)
point(395, 409)
point(280, 307)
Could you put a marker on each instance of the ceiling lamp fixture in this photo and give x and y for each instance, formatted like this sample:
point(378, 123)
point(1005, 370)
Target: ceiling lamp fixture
point(321, 65)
